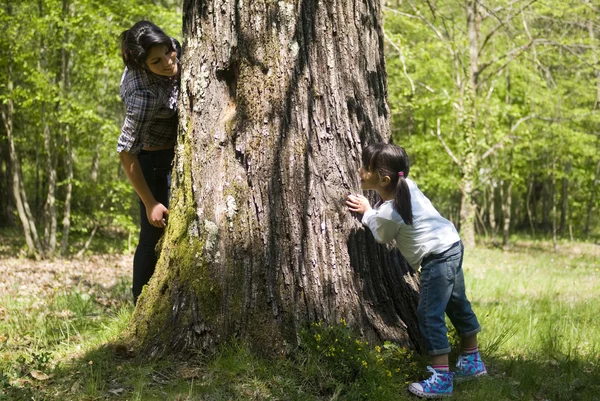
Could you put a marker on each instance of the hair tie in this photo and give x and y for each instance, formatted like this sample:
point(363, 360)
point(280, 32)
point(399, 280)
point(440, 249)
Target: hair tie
point(401, 174)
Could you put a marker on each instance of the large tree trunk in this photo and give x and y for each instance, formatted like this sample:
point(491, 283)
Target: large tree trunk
point(277, 101)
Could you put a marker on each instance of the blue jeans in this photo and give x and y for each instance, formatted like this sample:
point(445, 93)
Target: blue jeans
point(443, 291)
point(156, 166)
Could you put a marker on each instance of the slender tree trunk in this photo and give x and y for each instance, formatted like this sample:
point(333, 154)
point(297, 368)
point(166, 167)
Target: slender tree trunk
point(468, 206)
point(593, 190)
point(530, 215)
point(506, 213)
point(29, 229)
point(492, 203)
point(65, 86)
point(507, 200)
point(564, 207)
point(50, 204)
point(553, 206)
point(596, 181)
point(595, 59)
point(547, 196)
point(6, 195)
point(278, 99)
point(64, 246)
point(95, 164)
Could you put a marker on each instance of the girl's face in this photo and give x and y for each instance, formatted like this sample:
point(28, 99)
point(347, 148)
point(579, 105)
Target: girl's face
point(162, 61)
point(368, 180)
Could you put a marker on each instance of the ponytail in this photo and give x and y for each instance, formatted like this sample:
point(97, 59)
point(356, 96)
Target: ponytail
point(402, 202)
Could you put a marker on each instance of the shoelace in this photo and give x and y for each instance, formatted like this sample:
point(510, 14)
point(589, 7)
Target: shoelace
point(462, 360)
point(434, 376)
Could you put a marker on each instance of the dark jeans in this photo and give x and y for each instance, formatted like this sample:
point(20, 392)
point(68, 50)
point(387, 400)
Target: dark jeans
point(443, 291)
point(156, 166)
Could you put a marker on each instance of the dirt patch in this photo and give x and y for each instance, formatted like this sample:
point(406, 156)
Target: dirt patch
point(27, 278)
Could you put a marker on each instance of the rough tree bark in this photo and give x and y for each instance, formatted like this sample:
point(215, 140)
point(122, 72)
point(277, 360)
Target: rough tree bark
point(277, 100)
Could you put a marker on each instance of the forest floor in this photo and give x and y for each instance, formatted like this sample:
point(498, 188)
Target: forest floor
point(95, 275)
point(61, 323)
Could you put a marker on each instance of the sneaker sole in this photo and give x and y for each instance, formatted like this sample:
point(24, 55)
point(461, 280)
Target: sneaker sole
point(420, 393)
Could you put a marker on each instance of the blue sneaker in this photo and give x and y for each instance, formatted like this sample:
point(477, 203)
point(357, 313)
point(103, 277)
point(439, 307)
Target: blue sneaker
point(438, 385)
point(469, 366)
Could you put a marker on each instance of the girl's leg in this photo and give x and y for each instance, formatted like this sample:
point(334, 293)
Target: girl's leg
point(469, 343)
point(436, 289)
point(157, 172)
point(463, 318)
point(437, 282)
point(439, 360)
point(144, 259)
point(459, 308)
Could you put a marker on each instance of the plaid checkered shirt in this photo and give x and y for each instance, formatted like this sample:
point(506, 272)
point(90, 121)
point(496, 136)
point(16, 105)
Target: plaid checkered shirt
point(151, 103)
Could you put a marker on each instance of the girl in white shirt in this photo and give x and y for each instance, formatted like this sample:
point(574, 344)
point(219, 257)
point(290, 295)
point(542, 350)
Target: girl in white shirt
point(428, 240)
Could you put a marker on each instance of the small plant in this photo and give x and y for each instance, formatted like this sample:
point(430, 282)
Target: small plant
point(366, 371)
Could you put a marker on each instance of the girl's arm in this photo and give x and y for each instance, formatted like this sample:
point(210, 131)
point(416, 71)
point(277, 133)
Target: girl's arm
point(155, 212)
point(383, 230)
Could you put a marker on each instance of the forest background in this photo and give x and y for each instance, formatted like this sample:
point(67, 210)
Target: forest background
point(507, 124)
point(524, 143)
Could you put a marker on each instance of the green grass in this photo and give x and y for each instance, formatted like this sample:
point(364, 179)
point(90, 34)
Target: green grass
point(541, 341)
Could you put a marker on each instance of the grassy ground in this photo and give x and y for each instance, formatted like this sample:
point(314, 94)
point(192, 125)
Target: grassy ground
point(60, 323)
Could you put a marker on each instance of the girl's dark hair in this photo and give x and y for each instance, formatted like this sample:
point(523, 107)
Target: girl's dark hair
point(391, 160)
point(137, 41)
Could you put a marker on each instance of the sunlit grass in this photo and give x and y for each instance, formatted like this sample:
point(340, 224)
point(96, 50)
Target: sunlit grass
point(541, 341)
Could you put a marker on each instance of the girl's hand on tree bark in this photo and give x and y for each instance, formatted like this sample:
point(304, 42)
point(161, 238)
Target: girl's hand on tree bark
point(358, 204)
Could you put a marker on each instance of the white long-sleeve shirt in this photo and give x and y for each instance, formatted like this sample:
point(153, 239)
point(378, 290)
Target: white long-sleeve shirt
point(429, 234)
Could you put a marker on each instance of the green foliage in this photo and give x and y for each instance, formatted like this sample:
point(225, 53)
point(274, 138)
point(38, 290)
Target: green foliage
point(535, 113)
point(353, 362)
point(66, 69)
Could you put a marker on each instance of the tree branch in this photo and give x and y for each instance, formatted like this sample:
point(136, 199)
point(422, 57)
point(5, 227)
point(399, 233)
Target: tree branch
point(431, 26)
point(386, 8)
point(412, 84)
point(501, 24)
point(500, 8)
point(448, 150)
point(518, 50)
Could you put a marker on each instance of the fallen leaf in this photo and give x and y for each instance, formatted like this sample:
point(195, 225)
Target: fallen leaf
point(116, 391)
point(36, 374)
point(75, 386)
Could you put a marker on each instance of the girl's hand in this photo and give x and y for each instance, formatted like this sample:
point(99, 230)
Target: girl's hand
point(358, 203)
point(157, 215)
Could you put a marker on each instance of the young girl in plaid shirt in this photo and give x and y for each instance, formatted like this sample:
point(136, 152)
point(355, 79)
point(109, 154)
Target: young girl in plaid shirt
point(149, 89)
